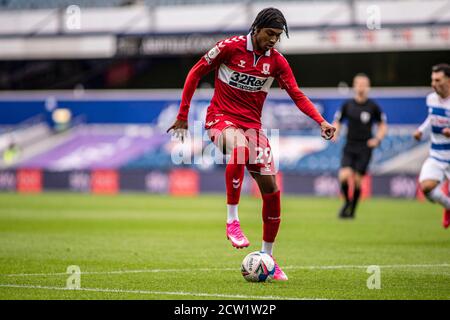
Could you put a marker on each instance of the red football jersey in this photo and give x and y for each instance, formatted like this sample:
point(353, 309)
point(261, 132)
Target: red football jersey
point(242, 80)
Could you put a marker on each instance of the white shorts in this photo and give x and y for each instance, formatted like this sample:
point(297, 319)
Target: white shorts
point(433, 169)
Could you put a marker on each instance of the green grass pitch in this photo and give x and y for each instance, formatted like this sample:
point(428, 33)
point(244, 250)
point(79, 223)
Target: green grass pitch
point(137, 246)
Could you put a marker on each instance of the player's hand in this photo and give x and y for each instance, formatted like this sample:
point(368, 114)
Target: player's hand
point(373, 143)
point(179, 128)
point(446, 132)
point(327, 130)
point(417, 135)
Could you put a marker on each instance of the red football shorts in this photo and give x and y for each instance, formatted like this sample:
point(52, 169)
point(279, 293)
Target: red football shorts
point(260, 154)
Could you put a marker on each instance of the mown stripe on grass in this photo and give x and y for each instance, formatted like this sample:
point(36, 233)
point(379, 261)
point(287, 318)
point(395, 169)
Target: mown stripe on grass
point(333, 267)
point(169, 293)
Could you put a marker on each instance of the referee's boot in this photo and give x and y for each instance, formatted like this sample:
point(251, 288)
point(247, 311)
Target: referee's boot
point(352, 209)
point(345, 211)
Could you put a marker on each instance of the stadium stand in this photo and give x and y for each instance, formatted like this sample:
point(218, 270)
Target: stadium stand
point(126, 130)
point(398, 142)
point(92, 146)
point(144, 147)
point(124, 45)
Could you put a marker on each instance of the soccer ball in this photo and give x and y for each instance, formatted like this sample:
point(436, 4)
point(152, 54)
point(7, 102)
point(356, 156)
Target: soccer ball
point(257, 267)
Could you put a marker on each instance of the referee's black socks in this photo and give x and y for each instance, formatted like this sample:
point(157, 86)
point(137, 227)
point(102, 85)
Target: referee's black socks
point(356, 195)
point(344, 190)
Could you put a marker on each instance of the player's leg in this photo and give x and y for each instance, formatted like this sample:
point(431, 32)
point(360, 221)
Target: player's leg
point(356, 192)
point(271, 209)
point(360, 167)
point(431, 176)
point(271, 213)
point(433, 191)
point(446, 214)
point(345, 174)
point(262, 168)
point(233, 142)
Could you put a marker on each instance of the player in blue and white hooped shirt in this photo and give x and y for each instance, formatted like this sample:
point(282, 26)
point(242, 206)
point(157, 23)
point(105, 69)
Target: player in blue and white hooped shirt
point(437, 167)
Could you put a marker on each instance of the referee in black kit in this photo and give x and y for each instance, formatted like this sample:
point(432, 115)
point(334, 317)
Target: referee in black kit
point(361, 113)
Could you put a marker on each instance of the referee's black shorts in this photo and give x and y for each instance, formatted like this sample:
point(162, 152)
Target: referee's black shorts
point(356, 155)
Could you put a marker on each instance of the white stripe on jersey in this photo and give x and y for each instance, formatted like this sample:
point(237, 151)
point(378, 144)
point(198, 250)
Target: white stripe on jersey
point(244, 81)
point(438, 119)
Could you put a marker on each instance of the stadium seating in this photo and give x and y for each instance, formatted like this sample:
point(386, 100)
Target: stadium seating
point(328, 160)
point(155, 159)
point(146, 147)
point(87, 147)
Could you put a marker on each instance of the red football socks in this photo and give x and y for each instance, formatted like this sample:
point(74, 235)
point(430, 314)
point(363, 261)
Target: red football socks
point(271, 215)
point(234, 174)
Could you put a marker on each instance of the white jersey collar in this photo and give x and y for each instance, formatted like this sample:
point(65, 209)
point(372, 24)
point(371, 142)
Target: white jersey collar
point(250, 45)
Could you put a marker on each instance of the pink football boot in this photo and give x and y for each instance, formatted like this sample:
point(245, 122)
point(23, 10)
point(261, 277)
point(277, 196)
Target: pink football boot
point(279, 275)
point(235, 235)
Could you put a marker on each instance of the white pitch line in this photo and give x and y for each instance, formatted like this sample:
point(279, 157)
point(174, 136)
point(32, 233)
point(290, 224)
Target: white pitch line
point(121, 272)
point(170, 293)
point(393, 266)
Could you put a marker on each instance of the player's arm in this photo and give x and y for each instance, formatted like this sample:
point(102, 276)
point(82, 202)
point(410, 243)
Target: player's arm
point(424, 127)
point(206, 64)
point(382, 128)
point(287, 81)
point(199, 70)
point(337, 125)
point(339, 116)
point(446, 132)
point(379, 136)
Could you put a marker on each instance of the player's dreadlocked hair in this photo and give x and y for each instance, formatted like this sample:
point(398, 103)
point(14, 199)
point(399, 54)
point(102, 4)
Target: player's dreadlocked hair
point(270, 18)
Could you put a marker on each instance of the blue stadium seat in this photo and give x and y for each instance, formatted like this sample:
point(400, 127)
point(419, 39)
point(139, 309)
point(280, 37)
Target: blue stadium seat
point(328, 160)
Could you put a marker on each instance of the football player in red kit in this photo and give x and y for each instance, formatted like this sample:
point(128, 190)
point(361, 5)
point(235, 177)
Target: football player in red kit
point(245, 67)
